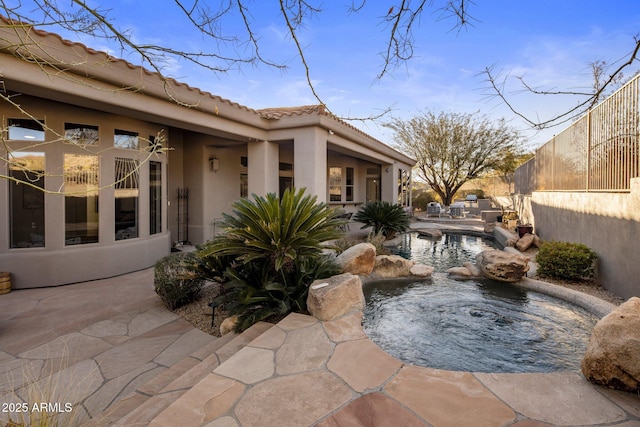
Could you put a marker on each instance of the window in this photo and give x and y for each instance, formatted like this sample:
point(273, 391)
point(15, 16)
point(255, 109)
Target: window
point(125, 139)
point(26, 200)
point(155, 197)
point(244, 177)
point(404, 187)
point(81, 134)
point(335, 184)
point(349, 185)
point(81, 199)
point(26, 130)
point(244, 185)
point(126, 193)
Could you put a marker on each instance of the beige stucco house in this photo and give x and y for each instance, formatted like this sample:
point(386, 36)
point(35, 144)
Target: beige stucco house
point(122, 163)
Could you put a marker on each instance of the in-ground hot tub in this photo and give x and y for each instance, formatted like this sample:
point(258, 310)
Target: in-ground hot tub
point(473, 325)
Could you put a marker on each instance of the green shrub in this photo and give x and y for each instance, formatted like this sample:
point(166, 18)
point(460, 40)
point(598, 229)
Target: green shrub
point(564, 260)
point(422, 199)
point(273, 251)
point(177, 280)
point(384, 217)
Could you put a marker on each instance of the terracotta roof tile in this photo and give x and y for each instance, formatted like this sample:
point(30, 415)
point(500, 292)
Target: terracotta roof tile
point(266, 113)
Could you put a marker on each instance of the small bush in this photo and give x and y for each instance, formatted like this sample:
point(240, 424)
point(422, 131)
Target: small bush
point(422, 199)
point(564, 260)
point(384, 217)
point(177, 280)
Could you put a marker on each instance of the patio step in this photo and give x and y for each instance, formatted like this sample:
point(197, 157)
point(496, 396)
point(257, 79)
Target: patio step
point(152, 397)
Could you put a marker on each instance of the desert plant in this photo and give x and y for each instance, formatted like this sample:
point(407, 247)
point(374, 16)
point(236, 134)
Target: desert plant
point(276, 230)
point(254, 295)
point(273, 247)
point(178, 280)
point(384, 217)
point(564, 260)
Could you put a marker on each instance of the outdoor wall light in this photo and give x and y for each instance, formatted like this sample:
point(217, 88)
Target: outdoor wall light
point(214, 164)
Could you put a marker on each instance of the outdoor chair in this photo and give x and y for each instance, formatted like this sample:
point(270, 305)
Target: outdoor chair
point(456, 210)
point(434, 209)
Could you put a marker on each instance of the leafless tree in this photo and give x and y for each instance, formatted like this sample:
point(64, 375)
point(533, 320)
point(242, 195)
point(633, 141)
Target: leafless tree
point(453, 148)
point(228, 51)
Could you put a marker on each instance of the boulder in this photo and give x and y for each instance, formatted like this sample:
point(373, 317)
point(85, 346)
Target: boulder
point(537, 241)
point(358, 259)
point(228, 325)
point(421, 270)
point(613, 354)
point(489, 227)
point(331, 298)
point(525, 242)
point(473, 269)
point(502, 266)
point(459, 273)
point(511, 242)
point(430, 232)
point(392, 266)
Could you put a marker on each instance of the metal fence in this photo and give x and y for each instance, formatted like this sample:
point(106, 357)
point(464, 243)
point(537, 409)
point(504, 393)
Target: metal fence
point(599, 152)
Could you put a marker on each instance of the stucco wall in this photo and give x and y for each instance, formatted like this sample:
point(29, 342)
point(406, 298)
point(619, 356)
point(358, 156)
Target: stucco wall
point(609, 223)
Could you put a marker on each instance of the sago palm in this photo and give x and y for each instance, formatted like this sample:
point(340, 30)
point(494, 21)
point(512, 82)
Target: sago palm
point(384, 217)
point(274, 250)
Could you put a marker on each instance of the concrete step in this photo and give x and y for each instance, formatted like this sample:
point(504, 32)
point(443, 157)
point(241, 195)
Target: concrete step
point(151, 398)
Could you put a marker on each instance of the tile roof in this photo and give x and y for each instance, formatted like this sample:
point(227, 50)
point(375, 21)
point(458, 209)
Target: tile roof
point(265, 113)
point(279, 112)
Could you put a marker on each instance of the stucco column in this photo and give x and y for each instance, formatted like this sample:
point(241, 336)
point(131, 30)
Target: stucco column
point(263, 159)
point(389, 183)
point(310, 162)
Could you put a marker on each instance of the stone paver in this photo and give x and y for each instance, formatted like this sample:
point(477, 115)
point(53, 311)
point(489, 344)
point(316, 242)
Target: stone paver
point(89, 344)
point(303, 349)
point(110, 344)
point(362, 364)
point(554, 393)
point(445, 398)
point(293, 400)
point(250, 365)
point(373, 410)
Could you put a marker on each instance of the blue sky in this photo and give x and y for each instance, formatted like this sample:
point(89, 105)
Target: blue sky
point(550, 43)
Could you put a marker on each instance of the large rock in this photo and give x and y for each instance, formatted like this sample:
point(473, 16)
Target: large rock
point(525, 242)
point(459, 273)
point(421, 270)
point(467, 271)
point(388, 266)
point(430, 232)
point(473, 269)
point(336, 296)
point(502, 266)
point(613, 355)
point(358, 259)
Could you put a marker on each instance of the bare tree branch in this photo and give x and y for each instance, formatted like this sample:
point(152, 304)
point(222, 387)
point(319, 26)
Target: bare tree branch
point(497, 86)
